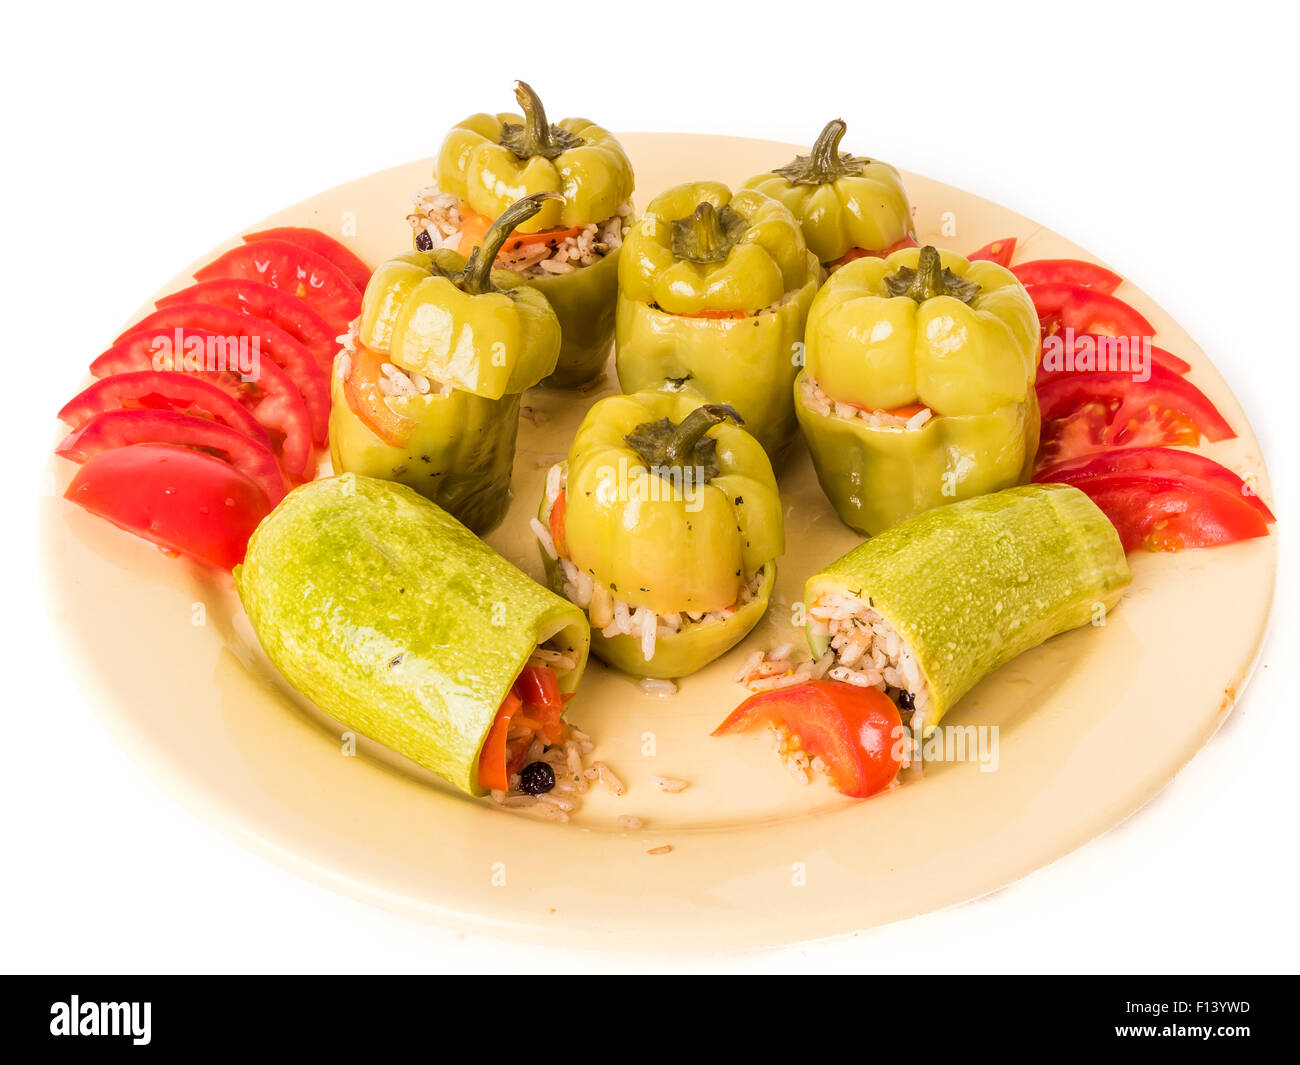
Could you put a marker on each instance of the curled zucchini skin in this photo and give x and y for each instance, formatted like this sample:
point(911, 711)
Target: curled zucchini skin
point(971, 585)
point(396, 620)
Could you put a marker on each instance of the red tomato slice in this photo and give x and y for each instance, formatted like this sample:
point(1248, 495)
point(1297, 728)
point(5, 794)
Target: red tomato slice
point(1089, 311)
point(997, 251)
point(273, 399)
point(1170, 511)
point(323, 245)
point(295, 270)
point(122, 428)
point(176, 497)
point(367, 402)
point(1067, 272)
point(558, 511)
point(1159, 460)
point(718, 315)
point(273, 343)
point(855, 731)
point(492, 769)
point(160, 390)
point(1159, 356)
point(269, 304)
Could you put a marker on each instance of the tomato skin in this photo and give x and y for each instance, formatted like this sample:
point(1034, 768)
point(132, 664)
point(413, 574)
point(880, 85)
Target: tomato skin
point(996, 251)
point(558, 510)
point(269, 304)
point(1082, 412)
point(273, 343)
point(1157, 460)
point(492, 770)
point(1085, 310)
point(122, 428)
point(1170, 511)
point(295, 270)
point(173, 496)
point(160, 390)
point(539, 689)
point(1067, 272)
point(367, 402)
point(353, 267)
point(855, 731)
point(1159, 357)
point(273, 399)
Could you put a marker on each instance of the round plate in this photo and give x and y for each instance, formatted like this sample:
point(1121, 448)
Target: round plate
point(1091, 724)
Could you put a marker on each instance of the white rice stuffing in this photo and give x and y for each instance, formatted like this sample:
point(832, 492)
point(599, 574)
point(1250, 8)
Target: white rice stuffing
point(438, 214)
point(818, 401)
point(393, 380)
point(614, 617)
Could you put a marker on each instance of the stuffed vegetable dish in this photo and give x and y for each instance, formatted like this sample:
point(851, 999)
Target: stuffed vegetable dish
point(714, 291)
point(919, 385)
point(569, 252)
point(664, 525)
point(426, 390)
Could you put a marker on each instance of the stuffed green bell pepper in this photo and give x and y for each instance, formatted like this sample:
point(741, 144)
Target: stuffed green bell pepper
point(427, 390)
point(397, 621)
point(664, 525)
point(918, 388)
point(569, 251)
point(714, 290)
point(848, 206)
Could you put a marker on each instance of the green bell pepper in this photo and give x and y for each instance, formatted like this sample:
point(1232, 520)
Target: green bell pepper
point(482, 336)
point(919, 329)
point(842, 201)
point(397, 621)
point(489, 161)
point(970, 586)
point(667, 507)
point(714, 291)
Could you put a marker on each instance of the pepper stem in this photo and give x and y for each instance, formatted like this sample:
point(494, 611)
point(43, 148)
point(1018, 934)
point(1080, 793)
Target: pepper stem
point(681, 445)
point(536, 136)
point(707, 230)
point(826, 150)
point(930, 279)
point(476, 278)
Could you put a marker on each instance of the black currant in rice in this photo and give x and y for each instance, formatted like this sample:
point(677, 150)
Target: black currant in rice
point(536, 778)
point(423, 241)
point(906, 701)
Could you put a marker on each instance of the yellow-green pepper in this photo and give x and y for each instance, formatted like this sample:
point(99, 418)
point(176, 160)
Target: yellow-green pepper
point(892, 338)
point(482, 337)
point(488, 161)
point(668, 507)
point(714, 291)
point(842, 202)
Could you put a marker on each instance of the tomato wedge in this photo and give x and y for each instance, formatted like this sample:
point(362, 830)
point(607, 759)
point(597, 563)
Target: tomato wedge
point(492, 770)
point(323, 245)
point(269, 304)
point(295, 270)
point(558, 510)
point(539, 689)
point(367, 402)
point(273, 399)
point(1089, 346)
point(1170, 511)
point(273, 344)
point(535, 703)
point(996, 251)
point(1085, 310)
point(176, 497)
point(1067, 272)
point(1166, 460)
point(719, 315)
point(122, 428)
point(160, 390)
point(855, 731)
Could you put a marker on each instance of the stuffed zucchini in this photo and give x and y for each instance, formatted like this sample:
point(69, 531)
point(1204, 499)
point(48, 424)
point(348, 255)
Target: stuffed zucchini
point(664, 525)
point(396, 620)
point(569, 252)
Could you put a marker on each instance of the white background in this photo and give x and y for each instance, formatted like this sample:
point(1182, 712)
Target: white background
point(136, 138)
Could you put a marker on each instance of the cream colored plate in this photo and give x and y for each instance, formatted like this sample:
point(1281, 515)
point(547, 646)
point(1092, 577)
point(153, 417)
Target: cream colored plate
point(1091, 724)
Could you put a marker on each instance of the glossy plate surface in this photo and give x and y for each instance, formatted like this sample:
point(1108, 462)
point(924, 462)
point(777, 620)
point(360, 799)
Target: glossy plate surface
point(1092, 724)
